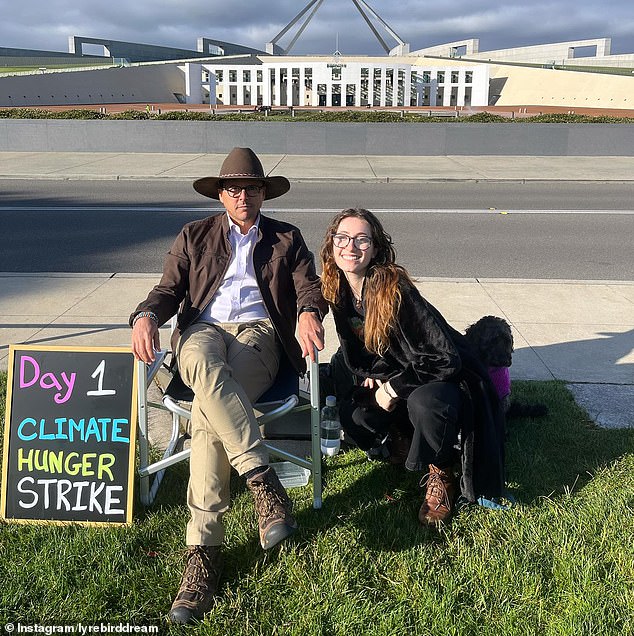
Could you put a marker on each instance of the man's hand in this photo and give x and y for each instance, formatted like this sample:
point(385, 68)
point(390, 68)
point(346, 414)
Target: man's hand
point(145, 340)
point(310, 333)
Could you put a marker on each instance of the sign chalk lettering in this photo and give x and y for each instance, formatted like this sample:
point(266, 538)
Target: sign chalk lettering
point(69, 443)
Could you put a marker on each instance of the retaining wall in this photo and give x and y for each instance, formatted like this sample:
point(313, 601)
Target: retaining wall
point(59, 135)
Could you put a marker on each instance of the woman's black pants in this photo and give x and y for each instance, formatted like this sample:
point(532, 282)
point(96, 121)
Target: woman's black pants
point(431, 415)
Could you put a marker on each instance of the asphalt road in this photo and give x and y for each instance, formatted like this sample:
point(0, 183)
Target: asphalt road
point(556, 195)
point(511, 231)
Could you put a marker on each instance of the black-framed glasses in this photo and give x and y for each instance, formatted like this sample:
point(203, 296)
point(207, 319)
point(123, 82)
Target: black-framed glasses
point(235, 190)
point(361, 242)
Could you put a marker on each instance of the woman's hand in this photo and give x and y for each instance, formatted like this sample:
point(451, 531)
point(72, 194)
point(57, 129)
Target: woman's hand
point(385, 396)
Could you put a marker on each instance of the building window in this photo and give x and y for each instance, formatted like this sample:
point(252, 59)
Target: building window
point(377, 88)
point(308, 78)
point(389, 87)
point(468, 77)
point(441, 77)
point(426, 77)
point(336, 72)
point(246, 76)
point(454, 77)
point(219, 75)
point(233, 75)
point(401, 88)
point(259, 75)
point(351, 91)
point(413, 89)
point(364, 92)
point(365, 73)
point(321, 92)
point(336, 94)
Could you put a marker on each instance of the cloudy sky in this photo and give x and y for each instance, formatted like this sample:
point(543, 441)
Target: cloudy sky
point(46, 24)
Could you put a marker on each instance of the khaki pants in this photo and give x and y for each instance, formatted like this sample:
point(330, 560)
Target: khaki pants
point(228, 366)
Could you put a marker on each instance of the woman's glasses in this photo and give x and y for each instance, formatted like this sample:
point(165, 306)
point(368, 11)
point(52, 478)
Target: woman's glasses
point(361, 242)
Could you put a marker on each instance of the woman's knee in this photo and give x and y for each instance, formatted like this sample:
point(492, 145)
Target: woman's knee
point(435, 399)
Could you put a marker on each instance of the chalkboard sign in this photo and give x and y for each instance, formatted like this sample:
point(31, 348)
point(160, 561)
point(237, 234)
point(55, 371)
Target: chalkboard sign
point(69, 442)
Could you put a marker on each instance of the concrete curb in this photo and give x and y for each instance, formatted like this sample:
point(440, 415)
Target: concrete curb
point(422, 179)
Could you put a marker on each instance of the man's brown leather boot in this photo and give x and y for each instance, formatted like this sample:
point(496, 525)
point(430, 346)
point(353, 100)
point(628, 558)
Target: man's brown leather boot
point(273, 507)
point(198, 585)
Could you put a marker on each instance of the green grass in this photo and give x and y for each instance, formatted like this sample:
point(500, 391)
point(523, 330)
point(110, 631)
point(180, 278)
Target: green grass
point(560, 562)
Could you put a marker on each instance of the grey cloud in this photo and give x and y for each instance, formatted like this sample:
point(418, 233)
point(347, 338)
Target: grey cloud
point(45, 24)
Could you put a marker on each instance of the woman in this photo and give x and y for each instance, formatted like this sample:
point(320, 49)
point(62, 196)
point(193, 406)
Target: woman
point(419, 372)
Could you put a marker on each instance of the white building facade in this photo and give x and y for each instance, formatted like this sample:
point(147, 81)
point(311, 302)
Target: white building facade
point(315, 82)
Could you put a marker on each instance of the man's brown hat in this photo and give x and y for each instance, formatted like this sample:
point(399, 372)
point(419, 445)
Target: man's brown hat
point(242, 163)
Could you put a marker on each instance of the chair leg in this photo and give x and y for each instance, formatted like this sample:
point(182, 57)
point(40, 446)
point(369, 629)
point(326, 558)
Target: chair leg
point(314, 435)
point(144, 482)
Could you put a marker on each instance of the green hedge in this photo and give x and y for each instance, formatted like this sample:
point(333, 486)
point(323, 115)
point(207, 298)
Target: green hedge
point(352, 116)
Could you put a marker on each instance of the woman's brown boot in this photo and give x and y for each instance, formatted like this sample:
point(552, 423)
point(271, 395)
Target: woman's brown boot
point(439, 498)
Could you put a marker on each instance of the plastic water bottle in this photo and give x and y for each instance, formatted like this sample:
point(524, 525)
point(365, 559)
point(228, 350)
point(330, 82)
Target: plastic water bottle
point(330, 428)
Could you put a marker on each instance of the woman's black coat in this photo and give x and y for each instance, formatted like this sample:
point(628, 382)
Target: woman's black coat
point(424, 348)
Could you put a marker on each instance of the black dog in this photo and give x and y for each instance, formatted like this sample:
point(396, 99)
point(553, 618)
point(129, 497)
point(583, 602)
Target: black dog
point(492, 341)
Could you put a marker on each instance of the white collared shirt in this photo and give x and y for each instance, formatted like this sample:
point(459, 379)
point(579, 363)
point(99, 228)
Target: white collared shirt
point(238, 298)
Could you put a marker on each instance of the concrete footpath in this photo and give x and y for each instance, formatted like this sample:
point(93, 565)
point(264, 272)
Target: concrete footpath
point(189, 166)
point(581, 332)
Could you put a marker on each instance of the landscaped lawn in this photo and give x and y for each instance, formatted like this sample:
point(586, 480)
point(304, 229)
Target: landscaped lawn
point(561, 561)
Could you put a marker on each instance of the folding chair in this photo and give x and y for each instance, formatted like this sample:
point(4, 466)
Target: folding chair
point(282, 399)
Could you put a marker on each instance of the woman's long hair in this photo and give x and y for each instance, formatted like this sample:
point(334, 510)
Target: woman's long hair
point(381, 292)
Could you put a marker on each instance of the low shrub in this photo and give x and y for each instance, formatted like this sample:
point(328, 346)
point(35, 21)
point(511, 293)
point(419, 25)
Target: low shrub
point(181, 115)
point(565, 118)
point(78, 113)
point(298, 114)
point(486, 118)
point(130, 114)
point(25, 113)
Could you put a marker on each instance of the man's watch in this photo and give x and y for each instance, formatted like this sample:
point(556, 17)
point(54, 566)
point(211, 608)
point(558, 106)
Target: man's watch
point(313, 310)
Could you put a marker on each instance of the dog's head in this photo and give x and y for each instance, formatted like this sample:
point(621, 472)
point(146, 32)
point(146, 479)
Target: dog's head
point(492, 341)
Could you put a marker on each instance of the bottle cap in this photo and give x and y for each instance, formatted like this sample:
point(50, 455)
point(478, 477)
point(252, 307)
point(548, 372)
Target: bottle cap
point(331, 400)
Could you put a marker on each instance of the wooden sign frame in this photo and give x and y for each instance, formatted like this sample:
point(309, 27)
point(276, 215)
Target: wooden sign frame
point(63, 429)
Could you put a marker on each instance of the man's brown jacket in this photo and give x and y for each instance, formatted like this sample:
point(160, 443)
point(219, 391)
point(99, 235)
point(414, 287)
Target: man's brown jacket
point(199, 258)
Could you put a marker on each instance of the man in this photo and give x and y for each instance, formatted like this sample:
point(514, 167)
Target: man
point(242, 282)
